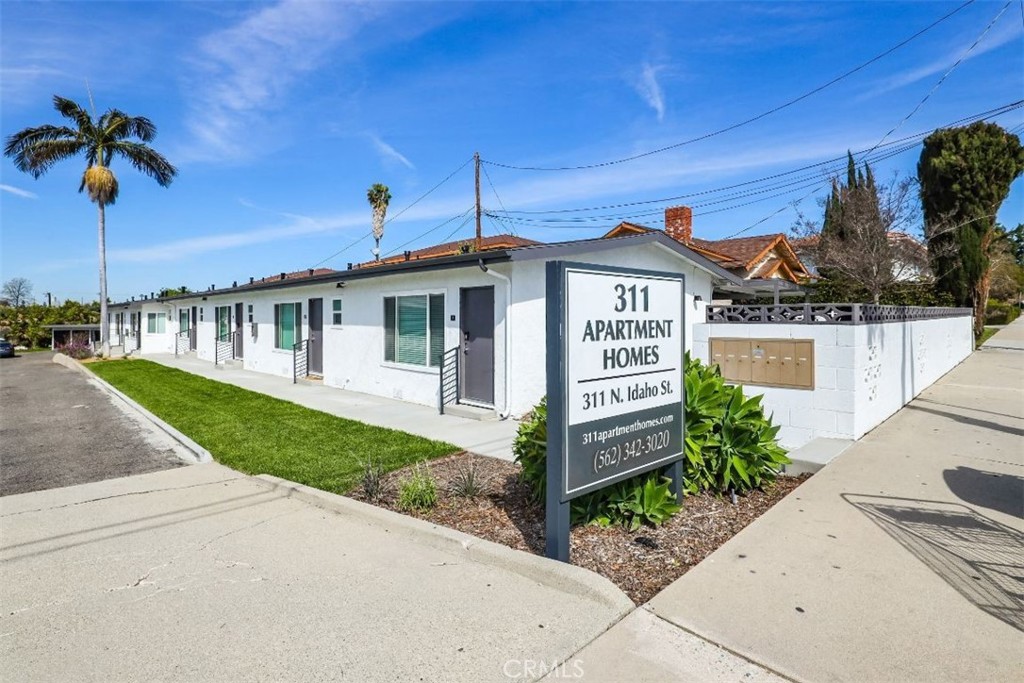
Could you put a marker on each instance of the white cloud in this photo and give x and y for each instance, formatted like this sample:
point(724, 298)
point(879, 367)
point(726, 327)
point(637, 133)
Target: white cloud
point(389, 152)
point(1002, 33)
point(240, 75)
point(17, 191)
point(650, 90)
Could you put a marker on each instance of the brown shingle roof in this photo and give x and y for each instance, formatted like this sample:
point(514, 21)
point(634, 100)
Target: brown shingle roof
point(454, 248)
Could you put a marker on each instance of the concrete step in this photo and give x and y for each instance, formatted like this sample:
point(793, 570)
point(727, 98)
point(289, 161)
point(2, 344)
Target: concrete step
point(814, 455)
point(316, 380)
point(470, 412)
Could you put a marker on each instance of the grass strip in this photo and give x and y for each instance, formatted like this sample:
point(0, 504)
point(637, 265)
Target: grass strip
point(258, 434)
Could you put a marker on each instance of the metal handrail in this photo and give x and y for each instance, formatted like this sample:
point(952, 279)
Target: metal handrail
point(449, 379)
point(225, 346)
point(299, 360)
point(183, 336)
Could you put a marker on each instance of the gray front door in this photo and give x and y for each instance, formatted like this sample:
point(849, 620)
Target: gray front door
point(238, 331)
point(315, 359)
point(476, 311)
point(192, 329)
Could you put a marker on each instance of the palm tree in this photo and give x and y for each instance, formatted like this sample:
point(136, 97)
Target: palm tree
point(379, 196)
point(36, 150)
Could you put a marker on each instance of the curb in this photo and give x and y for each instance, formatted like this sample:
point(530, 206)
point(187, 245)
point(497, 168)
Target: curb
point(201, 454)
point(566, 578)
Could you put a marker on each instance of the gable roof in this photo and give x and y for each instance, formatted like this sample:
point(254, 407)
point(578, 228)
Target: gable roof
point(738, 253)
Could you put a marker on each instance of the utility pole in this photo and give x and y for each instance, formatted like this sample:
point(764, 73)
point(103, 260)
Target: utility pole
point(476, 168)
point(49, 300)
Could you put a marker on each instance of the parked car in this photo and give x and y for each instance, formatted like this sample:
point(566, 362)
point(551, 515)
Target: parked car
point(6, 349)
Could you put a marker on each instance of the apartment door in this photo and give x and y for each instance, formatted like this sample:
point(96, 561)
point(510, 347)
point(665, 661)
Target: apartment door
point(315, 348)
point(239, 347)
point(476, 376)
point(193, 324)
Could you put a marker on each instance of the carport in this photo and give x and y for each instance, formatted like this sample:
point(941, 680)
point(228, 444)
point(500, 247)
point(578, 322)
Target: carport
point(66, 334)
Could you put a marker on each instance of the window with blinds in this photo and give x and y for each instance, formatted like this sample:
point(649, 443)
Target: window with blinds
point(414, 329)
point(287, 325)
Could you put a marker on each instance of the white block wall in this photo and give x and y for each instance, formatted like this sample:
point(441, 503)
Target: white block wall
point(862, 375)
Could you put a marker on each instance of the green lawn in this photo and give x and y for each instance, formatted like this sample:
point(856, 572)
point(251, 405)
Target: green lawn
point(257, 434)
point(986, 333)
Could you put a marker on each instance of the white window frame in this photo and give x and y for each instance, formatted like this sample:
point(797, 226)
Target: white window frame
point(155, 318)
point(298, 323)
point(337, 322)
point(427, 368)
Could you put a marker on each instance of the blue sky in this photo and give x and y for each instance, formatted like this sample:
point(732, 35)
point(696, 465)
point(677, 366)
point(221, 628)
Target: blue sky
point(279, 116)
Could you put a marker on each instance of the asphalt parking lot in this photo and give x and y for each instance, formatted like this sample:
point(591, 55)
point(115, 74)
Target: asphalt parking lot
point(58, 429)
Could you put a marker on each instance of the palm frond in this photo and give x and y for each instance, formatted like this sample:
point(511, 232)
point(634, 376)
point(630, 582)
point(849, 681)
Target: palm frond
point(36, 150)
point(72, 111)
point(119, 126)
point(145, 160)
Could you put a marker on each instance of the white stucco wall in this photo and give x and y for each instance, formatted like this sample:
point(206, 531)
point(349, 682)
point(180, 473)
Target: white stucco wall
point(863, 373)
point(353, 356)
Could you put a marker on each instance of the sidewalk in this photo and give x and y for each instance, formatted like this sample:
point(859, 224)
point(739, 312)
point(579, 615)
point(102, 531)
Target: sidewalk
point(903, 560)
point(203, 574)
point(484, 437)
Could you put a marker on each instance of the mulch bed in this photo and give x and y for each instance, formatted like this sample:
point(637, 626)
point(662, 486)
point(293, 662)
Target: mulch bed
point(640, 563)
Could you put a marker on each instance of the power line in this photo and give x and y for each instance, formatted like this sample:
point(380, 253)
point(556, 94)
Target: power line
point(436, 227)
point(746, 121)
point(393, 217)
point(495, 191)
point(913, 111)
point(914, 139)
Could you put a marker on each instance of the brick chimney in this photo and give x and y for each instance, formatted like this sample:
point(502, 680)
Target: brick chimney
point(679, 223)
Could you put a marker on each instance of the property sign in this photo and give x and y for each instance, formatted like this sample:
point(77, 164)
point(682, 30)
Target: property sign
point(615, 376)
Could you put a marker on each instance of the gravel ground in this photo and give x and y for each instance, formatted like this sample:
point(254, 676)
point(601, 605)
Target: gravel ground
point(640, 563)
point(57, 429)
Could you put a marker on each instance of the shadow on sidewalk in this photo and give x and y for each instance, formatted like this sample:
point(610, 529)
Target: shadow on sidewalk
point(963, 419)
point(979, 557)
point(993, 490)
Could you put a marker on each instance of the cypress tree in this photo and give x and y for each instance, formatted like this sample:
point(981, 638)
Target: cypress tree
point(965, 174)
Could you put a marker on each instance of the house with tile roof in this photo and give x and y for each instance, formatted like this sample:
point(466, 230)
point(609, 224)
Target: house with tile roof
point(754, 258)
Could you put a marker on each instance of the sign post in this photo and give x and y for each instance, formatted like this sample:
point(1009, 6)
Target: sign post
point(615, 383)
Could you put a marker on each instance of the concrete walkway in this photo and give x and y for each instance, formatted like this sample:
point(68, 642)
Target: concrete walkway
point(903, 560)
point(203, 574)
point(490, 437)
point(1008, 337)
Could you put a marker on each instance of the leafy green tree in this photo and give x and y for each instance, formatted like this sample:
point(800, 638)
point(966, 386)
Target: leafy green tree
point(100, 140)
point(379, 197)
point(965, 174)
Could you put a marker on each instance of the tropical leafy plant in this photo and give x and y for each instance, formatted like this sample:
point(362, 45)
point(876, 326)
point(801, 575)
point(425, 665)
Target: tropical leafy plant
point(113, 134)
point(729, 445)
point(729, 442)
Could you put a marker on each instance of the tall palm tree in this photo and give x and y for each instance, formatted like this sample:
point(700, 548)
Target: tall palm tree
point(100, 140)
point(379, 196)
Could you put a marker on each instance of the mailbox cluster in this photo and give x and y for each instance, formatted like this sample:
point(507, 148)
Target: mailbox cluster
point(769, 362)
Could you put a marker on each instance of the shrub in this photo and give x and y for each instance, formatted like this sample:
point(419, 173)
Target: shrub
point(372, 480)
point(1000, 313)
point(729, 444)
point(468, 481)
point(417, 491)
point(78, 350)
